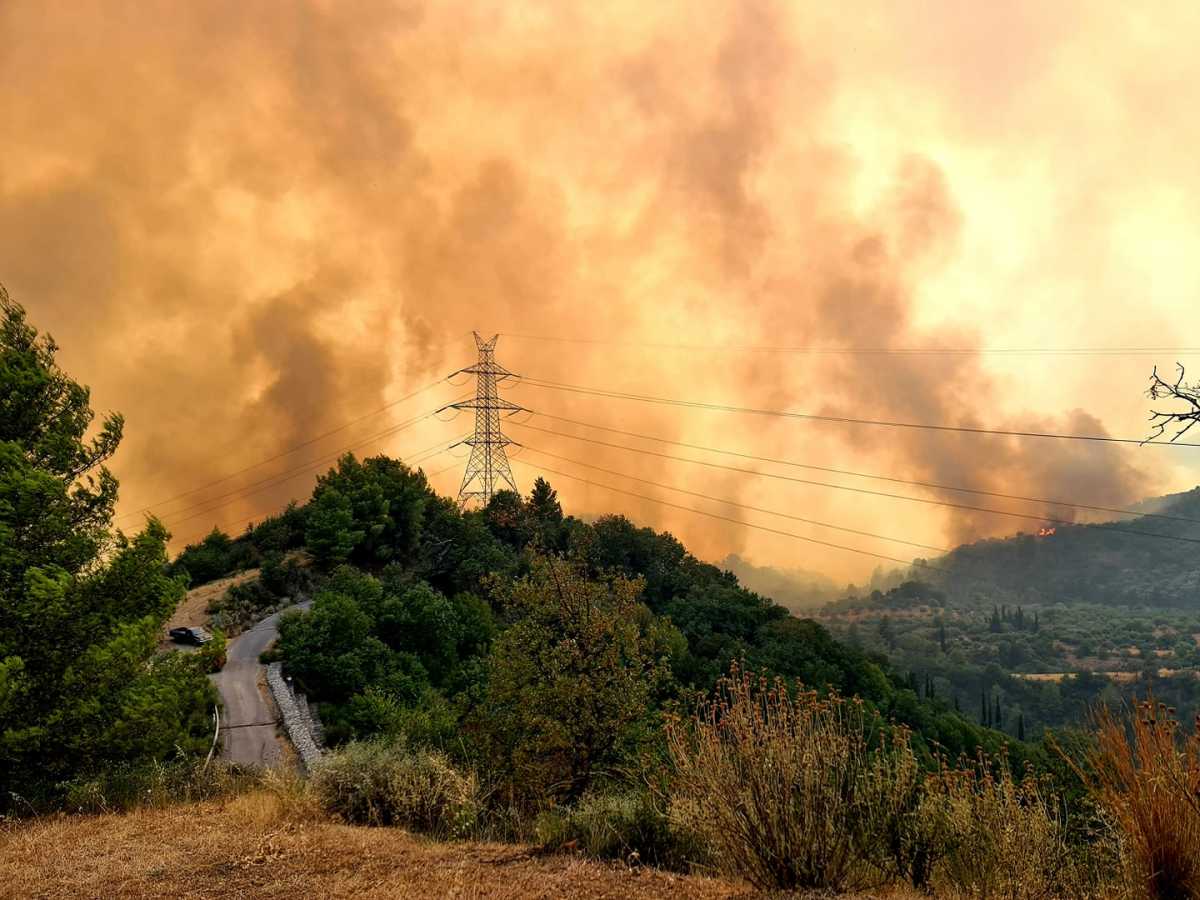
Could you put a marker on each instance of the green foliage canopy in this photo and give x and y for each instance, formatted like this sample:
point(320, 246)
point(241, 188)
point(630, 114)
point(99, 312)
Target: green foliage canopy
point(81, 607)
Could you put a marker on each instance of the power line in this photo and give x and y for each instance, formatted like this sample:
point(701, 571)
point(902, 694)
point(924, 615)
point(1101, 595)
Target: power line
point(280, 477)
point(287, 452)
point(412, 461)
point(759, 509)
point(711, 515)
point(845, 420)
point(309, 467)
point(873, 493)
point(835, 471)
point(870, 351)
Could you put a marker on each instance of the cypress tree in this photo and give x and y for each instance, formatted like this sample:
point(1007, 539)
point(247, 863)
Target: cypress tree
point(1021, 726)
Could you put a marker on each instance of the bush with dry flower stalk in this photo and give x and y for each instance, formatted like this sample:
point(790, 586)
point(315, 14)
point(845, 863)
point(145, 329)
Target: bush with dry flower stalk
point(1145, 772)
point(1010, 837)
point(787, 788)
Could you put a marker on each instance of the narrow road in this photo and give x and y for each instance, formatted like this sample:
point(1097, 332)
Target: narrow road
point(244, 694)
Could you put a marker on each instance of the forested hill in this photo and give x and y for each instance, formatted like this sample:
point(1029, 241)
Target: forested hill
point(1102, 563)
point(430, 607)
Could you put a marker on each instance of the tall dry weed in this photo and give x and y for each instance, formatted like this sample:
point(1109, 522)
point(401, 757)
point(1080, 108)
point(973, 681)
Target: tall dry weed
point(785, 789)
point(1009, 839)
point(1145, 772)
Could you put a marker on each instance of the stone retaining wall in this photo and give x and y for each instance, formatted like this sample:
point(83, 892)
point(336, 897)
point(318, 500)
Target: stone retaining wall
point(295, 720)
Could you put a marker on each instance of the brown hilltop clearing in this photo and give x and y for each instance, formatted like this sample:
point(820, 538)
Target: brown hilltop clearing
point(252, 845)
point(245, 847)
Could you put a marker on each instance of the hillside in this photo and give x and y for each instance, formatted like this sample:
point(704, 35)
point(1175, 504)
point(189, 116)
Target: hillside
point(798, 589)
point(1099, 563)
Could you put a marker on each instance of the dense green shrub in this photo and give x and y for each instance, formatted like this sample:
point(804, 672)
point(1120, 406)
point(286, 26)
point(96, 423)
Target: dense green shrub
point(630, 826)
point(378, 783)
point(211, 656)
point(242, 605)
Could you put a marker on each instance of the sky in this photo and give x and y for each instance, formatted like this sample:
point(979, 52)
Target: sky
point(249, 224)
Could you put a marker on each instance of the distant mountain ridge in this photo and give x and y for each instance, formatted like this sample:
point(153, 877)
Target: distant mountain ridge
point(1101, 563)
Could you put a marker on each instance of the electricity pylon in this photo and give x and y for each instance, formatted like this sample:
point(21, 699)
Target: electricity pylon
point(487, 468)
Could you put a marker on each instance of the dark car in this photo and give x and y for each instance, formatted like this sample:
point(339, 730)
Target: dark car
point(190, 634)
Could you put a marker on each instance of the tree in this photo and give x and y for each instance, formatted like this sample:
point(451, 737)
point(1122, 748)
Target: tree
point(508, 519)
point(545, 514)
point(1188, 395)
point(570, 681)
point(81, 606)
point(207, 560)
point(386, 501)
point(1020, 726)
point(887, 633)
point(942, 636)
point(330, 531)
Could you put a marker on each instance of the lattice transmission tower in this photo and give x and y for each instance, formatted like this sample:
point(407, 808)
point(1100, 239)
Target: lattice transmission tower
point(487, 468)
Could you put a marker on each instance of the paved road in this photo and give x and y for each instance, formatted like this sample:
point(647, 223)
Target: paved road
point(242, 684)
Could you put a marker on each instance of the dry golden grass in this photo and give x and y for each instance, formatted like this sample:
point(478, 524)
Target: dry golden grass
point(193, 609)
point(1147, 775)
point(273, 843)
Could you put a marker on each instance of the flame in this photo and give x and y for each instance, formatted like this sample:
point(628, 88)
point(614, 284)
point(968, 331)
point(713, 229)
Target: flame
point(1046, 532)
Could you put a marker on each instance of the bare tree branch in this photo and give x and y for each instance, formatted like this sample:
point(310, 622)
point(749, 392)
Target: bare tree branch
point(1160, 389)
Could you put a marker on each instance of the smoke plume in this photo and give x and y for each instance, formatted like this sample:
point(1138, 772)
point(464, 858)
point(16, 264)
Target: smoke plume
point(248, 224)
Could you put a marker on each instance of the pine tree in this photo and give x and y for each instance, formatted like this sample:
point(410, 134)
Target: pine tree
point(82, 684)
point(545, 514)
point(886, 633)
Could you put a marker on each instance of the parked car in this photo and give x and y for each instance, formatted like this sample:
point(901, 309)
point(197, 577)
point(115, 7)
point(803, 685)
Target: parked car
point(190, 634)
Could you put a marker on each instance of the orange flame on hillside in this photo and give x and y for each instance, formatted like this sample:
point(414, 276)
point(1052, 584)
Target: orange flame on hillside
point(1046, 532)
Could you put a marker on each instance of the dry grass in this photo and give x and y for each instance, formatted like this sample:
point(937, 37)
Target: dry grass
point(1147, 775)
point(273, 843)
point(193, 609)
